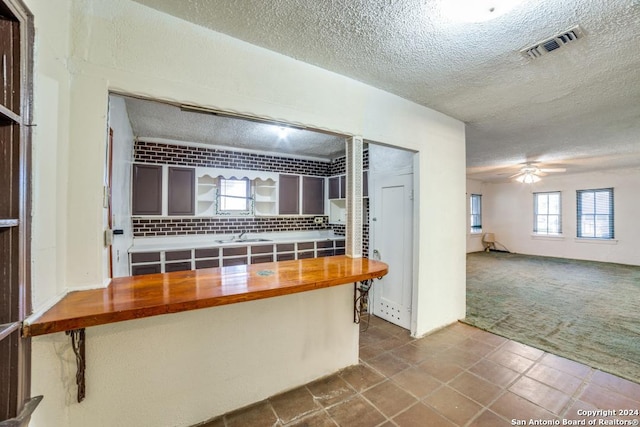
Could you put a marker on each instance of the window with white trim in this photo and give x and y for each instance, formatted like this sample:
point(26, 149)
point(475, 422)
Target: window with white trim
point(234, 196)
point(476, 213)
point(547, 213)
point(595, 213)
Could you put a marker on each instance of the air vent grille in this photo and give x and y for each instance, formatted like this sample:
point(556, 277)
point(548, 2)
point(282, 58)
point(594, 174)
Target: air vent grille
point(553, 43)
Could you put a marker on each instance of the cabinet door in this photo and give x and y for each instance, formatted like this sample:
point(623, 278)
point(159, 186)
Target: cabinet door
point(289, 195)
point(181, 192)
point(138, 270)
point(147, 190)
point(312, 195)
point(365, 184)
point(334, 187)
point(177, 266)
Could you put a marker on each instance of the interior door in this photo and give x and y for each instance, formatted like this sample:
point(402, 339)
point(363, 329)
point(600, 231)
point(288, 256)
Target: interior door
point(392, 223)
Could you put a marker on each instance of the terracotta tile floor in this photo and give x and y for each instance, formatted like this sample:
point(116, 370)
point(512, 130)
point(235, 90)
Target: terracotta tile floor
point(458, 376)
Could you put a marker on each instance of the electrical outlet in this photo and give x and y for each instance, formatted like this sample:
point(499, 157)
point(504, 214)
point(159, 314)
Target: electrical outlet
point(318, 220)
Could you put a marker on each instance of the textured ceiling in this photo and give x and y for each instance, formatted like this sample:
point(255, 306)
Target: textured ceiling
point(577, 107)
point(150, 119)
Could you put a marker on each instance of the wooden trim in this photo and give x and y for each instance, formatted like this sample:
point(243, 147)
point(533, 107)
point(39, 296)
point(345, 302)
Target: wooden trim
point(135, 297)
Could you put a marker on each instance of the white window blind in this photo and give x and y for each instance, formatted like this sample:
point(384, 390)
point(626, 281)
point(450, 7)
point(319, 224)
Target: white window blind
point(595, 213)
point(476, 213)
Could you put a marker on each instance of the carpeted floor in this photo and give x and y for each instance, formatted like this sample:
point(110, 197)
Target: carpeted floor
point(582, 310)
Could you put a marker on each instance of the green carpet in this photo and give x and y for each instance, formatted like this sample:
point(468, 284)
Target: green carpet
point(582, 310)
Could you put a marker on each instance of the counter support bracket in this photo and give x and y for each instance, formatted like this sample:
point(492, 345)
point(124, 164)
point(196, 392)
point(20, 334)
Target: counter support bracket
point(361, 299)
point(77, 343)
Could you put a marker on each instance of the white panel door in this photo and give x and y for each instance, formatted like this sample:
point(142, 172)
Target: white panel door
point(392, 223)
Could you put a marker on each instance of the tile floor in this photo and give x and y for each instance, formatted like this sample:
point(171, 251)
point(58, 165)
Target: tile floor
point(458, 376)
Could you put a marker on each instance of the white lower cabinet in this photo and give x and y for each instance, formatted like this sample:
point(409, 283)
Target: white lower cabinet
point(165, 261)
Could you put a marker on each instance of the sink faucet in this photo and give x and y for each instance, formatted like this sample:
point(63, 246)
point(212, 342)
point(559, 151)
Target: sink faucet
point(242, 234)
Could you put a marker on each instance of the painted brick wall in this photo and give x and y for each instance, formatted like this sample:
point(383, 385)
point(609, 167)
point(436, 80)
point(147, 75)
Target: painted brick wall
point(338, 165)
point(179, 155)
point(152, 152)
point(151, 227)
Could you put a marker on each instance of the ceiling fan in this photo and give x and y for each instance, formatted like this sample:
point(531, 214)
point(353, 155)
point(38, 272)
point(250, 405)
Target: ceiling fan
point(531, 173)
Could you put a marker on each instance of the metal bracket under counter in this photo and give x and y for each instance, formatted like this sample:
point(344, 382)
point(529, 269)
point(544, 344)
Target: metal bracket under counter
point(77, 344)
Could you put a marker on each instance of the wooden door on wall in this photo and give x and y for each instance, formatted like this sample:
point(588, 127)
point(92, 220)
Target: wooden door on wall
point(16, 32)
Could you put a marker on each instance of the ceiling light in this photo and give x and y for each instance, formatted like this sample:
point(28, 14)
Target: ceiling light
point(283, 131)
point(528, 178)
point(477, 10)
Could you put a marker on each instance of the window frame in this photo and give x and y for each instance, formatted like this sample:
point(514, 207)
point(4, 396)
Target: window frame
point(249, 207)
point(610, 214)
point(536, 214)
point(475, 227)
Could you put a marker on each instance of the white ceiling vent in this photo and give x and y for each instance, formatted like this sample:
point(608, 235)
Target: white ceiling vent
point(553, 43)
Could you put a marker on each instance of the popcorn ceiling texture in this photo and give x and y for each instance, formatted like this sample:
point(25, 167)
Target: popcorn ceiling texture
point(575, 107)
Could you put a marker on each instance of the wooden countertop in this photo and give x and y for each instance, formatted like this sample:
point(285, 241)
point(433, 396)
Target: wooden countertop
point(135, 297)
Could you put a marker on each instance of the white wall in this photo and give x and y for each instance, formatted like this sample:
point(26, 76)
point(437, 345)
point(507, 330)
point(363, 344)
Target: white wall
point(50, 168)
point(123, 46)
point(121, 183)
point(508, 210)
point(474, 241)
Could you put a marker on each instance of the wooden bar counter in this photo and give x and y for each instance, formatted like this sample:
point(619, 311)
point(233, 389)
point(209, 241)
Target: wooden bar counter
point(136, 297)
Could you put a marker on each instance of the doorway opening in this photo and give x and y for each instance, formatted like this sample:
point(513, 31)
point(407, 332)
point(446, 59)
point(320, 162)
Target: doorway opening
point(392, 223)
point(189, 149)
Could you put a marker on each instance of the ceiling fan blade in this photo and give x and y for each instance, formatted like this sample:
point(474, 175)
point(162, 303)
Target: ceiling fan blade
point(552, 169)
point(515, 175)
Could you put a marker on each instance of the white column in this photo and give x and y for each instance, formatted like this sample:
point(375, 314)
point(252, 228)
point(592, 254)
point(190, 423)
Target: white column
point(354, 197)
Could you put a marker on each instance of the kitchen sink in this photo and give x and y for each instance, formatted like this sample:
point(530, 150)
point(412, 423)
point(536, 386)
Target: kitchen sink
point(242, 240)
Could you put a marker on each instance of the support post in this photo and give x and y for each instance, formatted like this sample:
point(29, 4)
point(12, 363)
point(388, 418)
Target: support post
point(354, 146)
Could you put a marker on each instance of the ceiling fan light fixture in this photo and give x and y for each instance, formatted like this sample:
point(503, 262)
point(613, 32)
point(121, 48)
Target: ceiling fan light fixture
point(528, 178)
point(477, 10)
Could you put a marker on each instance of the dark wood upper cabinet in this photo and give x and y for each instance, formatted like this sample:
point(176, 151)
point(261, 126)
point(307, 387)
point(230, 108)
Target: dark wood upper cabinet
point(147, 190)
point(365, 184)
point(312, 195)
point(289, 195)
point(338, 186)
point(334, 187)
point(181, 192)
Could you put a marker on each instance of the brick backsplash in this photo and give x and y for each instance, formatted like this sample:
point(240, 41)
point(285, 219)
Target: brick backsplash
point(182, 155)
point(153, 227)
point(338, 165)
